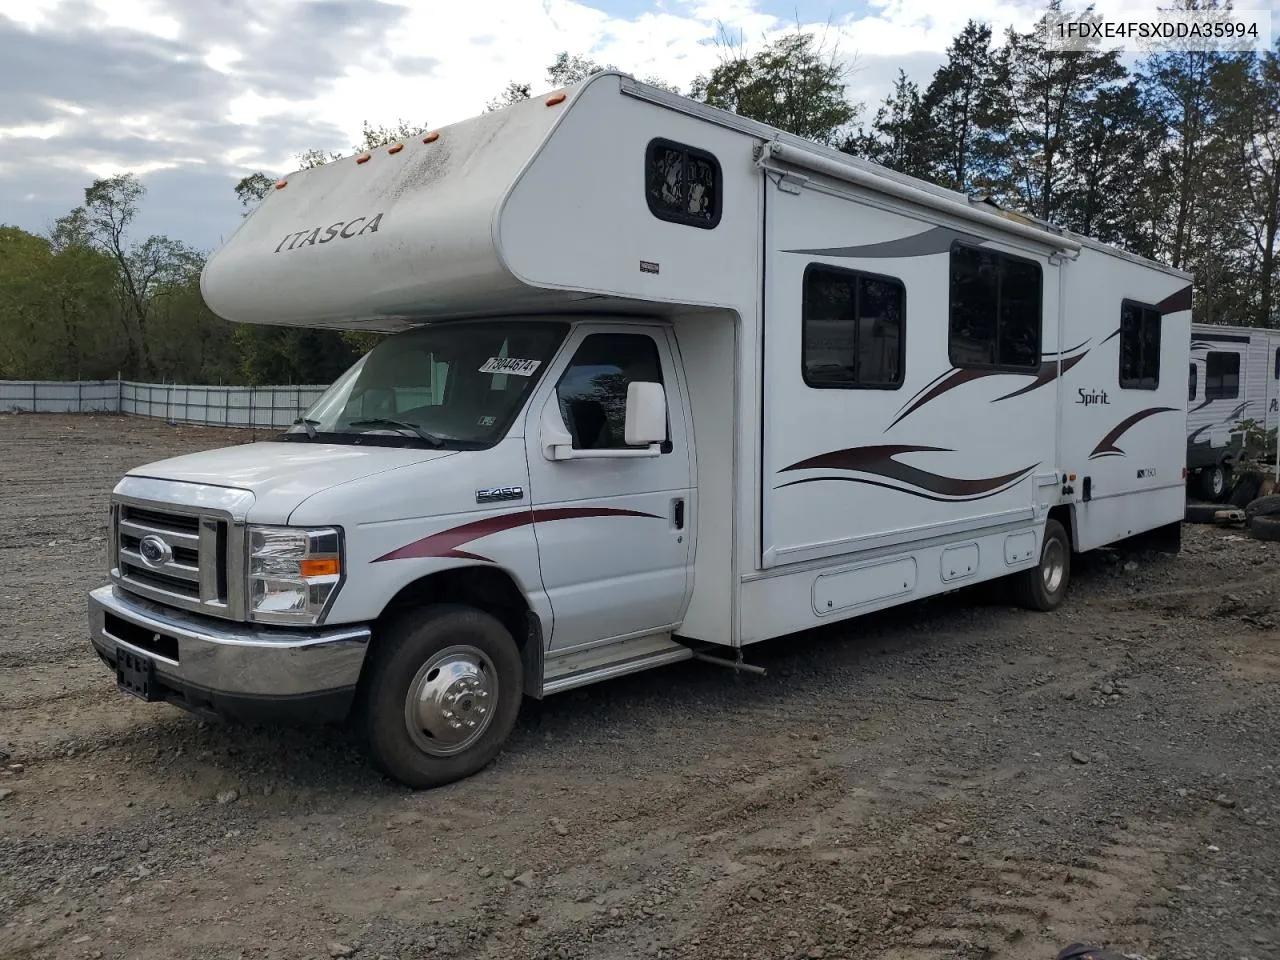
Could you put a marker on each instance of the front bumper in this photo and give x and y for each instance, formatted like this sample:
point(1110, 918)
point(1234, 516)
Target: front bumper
point(232, 670)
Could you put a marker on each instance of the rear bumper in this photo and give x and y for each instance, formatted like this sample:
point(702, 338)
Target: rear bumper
point(232, 670)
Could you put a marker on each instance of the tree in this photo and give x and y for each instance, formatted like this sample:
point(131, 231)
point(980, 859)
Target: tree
point(1112, 162)
point(901, 136)
point(792, 84)
point(1052, 94)
point(144, 270)
point(1248, 90)
point(965, 112)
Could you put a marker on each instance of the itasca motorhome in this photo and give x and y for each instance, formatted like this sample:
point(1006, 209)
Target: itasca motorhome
point(1234, 377)
point(664, 381)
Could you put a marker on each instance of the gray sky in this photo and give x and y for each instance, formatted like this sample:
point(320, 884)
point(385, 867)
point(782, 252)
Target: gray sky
point(193, 94)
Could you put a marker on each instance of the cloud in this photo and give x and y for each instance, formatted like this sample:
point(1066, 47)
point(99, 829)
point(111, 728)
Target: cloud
point(197, 94)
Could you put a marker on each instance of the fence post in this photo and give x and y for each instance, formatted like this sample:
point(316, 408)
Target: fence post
point(79, 396)
point(119, 393)
point(35, 399)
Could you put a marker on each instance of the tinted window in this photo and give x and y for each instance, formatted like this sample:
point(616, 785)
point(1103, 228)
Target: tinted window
point(593, 390)
point(1222, 376)
point(682, 184)
point(1139, 346)
point(1191, 382)
point(995, 314)
point(852, 329)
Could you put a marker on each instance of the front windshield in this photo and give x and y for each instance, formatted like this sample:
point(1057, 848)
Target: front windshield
point(455, 385)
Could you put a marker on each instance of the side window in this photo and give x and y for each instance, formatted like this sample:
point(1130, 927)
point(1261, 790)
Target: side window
point(995, 309)
point(852, 329)
point(1139, 346)
point(682, 184)
point(1192, 377)
point(593, 390)
point(1222, 376)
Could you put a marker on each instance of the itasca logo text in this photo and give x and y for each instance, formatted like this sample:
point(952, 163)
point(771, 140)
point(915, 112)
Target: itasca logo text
point(342, 230)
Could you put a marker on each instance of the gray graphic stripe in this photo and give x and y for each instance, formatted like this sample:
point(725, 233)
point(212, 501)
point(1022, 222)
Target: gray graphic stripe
point(928, 243)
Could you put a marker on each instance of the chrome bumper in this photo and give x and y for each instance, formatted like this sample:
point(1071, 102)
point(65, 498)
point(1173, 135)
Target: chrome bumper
point(232, 669)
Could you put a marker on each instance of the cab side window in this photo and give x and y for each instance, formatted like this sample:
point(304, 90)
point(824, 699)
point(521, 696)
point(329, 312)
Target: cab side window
point(593, 391)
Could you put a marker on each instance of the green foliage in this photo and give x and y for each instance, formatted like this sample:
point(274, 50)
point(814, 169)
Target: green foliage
point(793, 84)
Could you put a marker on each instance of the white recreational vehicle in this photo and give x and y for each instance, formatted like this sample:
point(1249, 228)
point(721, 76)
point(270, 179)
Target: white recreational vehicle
point(1234, 377)
point(664, 382)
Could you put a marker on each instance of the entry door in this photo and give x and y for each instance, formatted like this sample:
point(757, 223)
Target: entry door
point(614, 535)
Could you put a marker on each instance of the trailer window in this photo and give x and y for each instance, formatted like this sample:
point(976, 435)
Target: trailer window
point(682, 184)
point(1139, 346)
point(1192, 377)
point(593, 390)
point(1278, 364)
point(1221, 376)
point(995, 310)
point(852, 329)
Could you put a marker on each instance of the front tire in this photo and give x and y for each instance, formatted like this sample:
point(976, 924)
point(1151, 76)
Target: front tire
point(444, 688)
point(1044, 586)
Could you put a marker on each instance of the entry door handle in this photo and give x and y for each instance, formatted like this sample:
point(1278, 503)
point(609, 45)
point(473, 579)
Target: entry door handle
point(678, 512)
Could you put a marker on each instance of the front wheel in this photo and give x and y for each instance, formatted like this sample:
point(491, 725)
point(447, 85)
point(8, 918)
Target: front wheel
point(442, 694)
point(1044, 586)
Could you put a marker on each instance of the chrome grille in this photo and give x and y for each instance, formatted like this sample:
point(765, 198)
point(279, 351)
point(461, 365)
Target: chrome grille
point(177, 554)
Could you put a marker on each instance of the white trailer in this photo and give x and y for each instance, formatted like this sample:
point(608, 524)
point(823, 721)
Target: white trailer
point(665, 382)
point(1234, 377)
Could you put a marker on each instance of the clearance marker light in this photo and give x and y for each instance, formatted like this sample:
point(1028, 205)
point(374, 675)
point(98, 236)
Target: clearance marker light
point(431, 137)
point(363, 158)
point(554, 99)
point(395, 148)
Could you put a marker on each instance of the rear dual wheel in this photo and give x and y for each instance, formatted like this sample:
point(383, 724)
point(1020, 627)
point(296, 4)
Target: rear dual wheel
point(442, 694)
point(1044, 586)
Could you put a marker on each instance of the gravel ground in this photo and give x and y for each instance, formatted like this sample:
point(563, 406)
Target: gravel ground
point(955, 779)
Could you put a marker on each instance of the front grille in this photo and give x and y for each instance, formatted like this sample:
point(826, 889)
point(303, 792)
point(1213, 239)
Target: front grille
point(173, 557)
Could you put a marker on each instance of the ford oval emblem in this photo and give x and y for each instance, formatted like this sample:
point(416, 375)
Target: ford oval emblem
point(155, 551)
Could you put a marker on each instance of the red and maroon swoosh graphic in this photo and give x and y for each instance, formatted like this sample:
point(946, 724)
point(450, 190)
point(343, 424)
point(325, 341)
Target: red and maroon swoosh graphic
point(1052, 367)
point(880, 461)
point(1107, 445)
point(446, 542)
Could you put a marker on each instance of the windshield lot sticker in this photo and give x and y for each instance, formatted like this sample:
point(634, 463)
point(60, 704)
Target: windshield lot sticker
point(521, 368)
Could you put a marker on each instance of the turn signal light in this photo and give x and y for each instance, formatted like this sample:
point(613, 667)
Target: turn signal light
point(320, 567)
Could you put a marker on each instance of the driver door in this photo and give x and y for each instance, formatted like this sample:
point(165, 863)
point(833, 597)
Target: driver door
point(614, 534)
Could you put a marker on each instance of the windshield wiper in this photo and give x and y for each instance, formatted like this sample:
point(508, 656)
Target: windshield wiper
point(430, 438)
point(309, 426)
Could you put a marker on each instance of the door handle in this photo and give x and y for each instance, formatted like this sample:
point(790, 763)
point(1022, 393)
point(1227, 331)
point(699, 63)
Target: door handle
point(678, 512)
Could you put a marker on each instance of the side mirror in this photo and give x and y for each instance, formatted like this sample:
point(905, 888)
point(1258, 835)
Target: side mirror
point(644, 431)
point(646, 414)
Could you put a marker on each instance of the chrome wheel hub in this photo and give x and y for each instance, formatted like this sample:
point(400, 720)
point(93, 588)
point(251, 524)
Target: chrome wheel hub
point(1053, 565)
point(450, 701)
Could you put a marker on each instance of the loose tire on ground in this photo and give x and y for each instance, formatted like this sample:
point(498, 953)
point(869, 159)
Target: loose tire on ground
point(1265, 528)
point(1202, 512)
point(1262, 507)
point(444, 687)
point(1044, 586)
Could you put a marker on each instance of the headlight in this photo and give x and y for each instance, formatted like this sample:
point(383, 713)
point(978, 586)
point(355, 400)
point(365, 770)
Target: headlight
point(293, 573)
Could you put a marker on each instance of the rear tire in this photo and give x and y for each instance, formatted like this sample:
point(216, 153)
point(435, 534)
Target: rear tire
point(1212, 482)
point(442, 694)
point(1044, 586)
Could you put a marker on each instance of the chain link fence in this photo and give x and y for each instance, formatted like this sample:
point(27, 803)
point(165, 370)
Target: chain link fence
point(270, 406)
